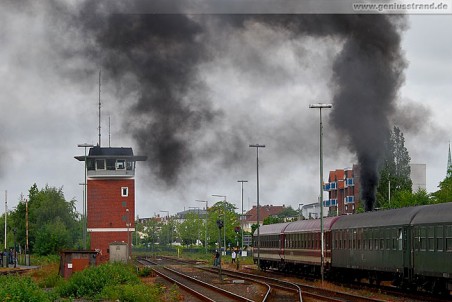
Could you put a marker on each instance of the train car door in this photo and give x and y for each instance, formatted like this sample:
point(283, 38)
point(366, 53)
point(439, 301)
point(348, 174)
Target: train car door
point(282, 243)
point(405, 244)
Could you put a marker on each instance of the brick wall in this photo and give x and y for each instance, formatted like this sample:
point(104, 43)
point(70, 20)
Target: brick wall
point(106, 208)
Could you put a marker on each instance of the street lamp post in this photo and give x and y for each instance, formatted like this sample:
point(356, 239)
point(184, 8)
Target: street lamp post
point(128, 240)
point(84, 145)
point(196, 208)
point(14, 250)
point(257, 146)
point(205, 242)
point(220, 224)
point(224, 220)
point(322, 240)
point(6, 215)
point(83, 215)
point(300, 211)
point(241, 214)
point(171, 226)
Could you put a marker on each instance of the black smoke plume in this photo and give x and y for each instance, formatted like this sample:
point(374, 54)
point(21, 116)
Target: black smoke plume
point(367, 74)
point(161, 54)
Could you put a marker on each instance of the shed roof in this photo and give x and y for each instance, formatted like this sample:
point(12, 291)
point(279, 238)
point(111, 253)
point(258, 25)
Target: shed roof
point(402, 216)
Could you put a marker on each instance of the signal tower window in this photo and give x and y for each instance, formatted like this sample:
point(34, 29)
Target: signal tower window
point(120, 164)
point(124, 191)
point(100, 164)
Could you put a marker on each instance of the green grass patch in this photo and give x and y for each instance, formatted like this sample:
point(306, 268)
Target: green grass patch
point(112, 281)
point(21, 289)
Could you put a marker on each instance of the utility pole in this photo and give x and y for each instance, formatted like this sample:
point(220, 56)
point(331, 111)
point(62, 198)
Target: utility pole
point(6, 213)
point(257, 146)
point(241, 214)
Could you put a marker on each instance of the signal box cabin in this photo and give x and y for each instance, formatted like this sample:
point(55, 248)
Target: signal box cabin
point(110, 203)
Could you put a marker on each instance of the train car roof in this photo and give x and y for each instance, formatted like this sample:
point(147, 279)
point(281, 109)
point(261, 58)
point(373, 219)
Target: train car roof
point(272, 229)
point(310, 225)
point(402, 216)
point(434, 213)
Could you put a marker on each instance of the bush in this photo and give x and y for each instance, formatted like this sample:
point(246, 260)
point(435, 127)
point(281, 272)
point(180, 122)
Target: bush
point(21, 289)
point(132, 293)
point(91, 282)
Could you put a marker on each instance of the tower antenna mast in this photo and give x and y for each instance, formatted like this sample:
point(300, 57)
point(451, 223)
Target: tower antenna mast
point(99, 143)
point(109, 132)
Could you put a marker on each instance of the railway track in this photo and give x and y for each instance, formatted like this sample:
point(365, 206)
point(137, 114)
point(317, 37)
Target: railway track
point(283, 290)
point(302, 292)
point(18, 271)
point(214, 290)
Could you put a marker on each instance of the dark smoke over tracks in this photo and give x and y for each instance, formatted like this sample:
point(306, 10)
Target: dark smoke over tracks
point(157, 58)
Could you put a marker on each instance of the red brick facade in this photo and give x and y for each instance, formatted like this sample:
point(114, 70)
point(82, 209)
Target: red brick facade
point(107, 204)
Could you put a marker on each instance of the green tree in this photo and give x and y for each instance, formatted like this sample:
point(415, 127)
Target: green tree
point(395, 169)
point(168, 232)
point(226, 212)
point(272, 220)
point(53, 222)
point(405, 198)
point(444, 194)
point(288, 212)
point(190, 229)
point(151, 230)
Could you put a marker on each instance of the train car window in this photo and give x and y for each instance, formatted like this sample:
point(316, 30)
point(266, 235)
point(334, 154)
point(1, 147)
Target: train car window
point(344, 239)
point(400, 243)
point(431, 238)
point(448, 236)
point(439, 238)
point(394, 239)
point(376, 244)
point(423, 239)
point(417, 239)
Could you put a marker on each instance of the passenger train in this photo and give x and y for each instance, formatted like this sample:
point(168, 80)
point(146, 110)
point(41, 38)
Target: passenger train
point(412, 247)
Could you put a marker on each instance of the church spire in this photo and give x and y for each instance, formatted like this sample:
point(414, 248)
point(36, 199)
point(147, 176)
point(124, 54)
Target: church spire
point(449, 164)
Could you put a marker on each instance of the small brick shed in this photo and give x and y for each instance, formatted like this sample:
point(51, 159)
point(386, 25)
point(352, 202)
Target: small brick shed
point(72, 261)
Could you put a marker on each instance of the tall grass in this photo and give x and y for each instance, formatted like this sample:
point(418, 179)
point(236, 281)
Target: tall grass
point(113, 281)
point(16, 288)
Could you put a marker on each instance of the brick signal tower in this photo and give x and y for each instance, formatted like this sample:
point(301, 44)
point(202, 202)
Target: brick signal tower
point(110, 202)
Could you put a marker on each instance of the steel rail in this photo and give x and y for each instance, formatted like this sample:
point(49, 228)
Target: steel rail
point(205, 284)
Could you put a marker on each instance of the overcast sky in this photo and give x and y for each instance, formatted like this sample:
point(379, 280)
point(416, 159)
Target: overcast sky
point(251, 85)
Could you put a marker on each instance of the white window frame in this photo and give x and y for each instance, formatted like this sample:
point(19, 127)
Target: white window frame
point(124, 191)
